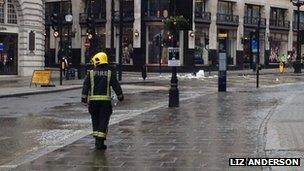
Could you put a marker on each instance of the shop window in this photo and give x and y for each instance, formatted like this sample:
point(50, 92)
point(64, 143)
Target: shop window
point(158, 53)
point(8, 57)
point(127, 49)
point(11, 13)
point(201, 47)
point(278, 46)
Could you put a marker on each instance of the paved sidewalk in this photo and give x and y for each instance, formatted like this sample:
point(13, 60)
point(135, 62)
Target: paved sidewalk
point(12, 86)
point(202, 134)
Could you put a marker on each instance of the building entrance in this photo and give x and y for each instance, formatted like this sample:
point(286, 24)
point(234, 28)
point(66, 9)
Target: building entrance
point(8, 53)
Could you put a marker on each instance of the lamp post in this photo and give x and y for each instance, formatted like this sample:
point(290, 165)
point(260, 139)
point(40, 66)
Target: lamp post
point(91, 34)
point(68, 51)
point(297, 65)
point(173, 91)
point(120, 39)
point(112, 57)
point(61, 43)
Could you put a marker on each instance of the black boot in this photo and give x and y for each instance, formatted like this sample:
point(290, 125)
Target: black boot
point(99, 144)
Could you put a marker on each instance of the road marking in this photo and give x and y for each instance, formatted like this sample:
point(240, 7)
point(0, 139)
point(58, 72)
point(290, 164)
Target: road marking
point(4, 138)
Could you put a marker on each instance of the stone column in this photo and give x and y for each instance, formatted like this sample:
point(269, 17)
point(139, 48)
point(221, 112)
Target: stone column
point(239, 60)
point(267, 34)
point(213, 32)
point(108, 24)
point(191, 42)
point(76, 10)
point(116, 33)
point(137, 24)
point(31, 19)
point(290, 33)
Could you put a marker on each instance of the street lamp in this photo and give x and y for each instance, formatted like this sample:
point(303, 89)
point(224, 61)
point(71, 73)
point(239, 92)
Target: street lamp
point(297, 65)
point(121, 16)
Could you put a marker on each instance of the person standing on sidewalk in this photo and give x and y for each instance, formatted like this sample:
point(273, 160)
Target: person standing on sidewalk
point(97, 94)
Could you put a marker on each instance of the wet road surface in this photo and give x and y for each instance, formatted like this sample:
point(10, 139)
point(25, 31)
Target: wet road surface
point(145, 135)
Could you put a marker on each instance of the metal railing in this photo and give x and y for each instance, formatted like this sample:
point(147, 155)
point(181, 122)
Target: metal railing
point(253, 21)
point(295, 25)
point(98, 17)
point(128, 15)
point(227, 19)
point(154, 15)
point(201, 16)
point(279, 24)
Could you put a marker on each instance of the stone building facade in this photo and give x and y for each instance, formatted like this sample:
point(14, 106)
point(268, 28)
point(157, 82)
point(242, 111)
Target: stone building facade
point(21, 36)
point(232, 20)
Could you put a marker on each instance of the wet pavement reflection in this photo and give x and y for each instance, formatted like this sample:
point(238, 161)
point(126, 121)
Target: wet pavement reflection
point(202, 134)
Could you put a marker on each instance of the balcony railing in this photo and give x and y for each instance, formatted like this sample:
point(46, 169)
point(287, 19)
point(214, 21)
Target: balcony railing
point(295, 25)
point(227, 19)
point(154, 15)
point(253, 21)
point(202, 17)
point(98, 17)
point(128, 15)
point(279, 24)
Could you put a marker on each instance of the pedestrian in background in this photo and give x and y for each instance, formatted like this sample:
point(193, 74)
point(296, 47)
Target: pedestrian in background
point(96, 93)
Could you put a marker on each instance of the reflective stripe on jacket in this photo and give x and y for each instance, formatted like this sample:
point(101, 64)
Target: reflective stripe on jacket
point(92, 96)
point(97, 83)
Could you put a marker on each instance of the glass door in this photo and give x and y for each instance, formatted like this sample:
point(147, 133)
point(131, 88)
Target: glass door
point(8, 53)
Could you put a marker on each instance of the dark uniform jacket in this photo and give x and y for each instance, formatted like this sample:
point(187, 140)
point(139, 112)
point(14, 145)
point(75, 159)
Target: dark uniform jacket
point(97, 83)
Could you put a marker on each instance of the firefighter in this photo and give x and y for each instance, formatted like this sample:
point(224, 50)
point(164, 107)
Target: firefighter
point(97, 94)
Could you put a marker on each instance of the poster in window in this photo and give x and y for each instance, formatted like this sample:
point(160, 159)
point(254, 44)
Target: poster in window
point(274, 52)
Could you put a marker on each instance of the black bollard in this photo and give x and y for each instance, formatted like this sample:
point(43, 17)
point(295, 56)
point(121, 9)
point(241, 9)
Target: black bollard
point(173, 92)
point(144, 72)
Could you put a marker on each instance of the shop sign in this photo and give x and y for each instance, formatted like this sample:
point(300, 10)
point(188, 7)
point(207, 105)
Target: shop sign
point(32, 41)
point(1, 46)
point(254, 46)
point(222, 61)
point(87, 45)
point(173, 54)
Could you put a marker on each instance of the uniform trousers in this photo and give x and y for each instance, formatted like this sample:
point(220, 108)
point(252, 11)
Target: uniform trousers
point(100, 114)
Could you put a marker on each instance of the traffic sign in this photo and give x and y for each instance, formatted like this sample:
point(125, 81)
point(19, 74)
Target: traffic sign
point(69, 18)
point(87, 44)
point(56, 34)
point(174, 59)
point(254, 46)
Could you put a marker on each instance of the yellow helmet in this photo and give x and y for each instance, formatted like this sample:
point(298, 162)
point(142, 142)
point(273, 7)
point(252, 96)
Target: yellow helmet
point(100, 58)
